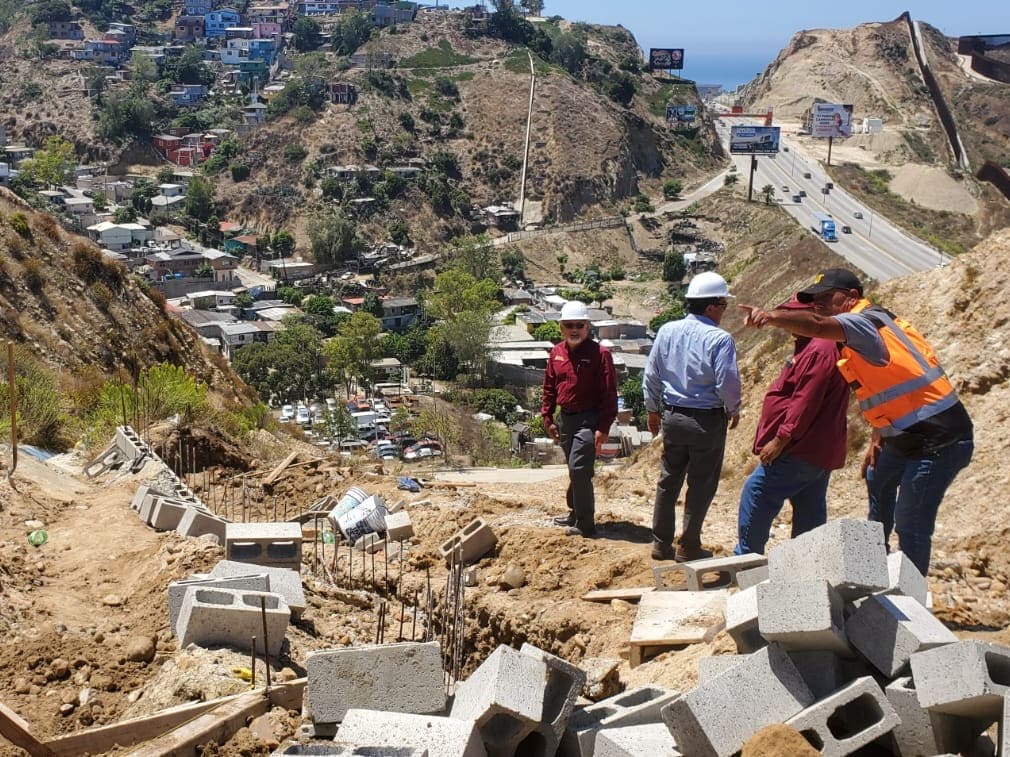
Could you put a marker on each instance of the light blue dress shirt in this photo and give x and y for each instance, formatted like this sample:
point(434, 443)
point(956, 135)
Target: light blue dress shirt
point(692, 364)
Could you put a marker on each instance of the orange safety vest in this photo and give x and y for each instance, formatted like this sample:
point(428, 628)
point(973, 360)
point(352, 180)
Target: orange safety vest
point(909, 388)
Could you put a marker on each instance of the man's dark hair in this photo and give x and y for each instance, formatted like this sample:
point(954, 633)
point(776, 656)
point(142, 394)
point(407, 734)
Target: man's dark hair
point(698, 306)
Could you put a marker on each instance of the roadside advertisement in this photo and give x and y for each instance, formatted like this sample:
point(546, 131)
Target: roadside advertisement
point(831, 120)
point(664, 58)
point(681, 114)
point(754, 140)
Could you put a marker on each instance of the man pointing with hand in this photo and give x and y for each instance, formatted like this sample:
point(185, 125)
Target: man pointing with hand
point(922, 435)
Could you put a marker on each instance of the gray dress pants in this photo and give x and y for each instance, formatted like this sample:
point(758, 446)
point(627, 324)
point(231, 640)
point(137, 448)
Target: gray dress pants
point(578, 440)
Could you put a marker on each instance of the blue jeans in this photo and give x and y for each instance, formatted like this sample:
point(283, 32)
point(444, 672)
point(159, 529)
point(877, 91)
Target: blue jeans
point(905, 495)
point(765, 492)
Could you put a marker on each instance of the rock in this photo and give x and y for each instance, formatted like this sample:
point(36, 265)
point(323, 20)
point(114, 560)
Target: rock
point(264, 729)
point(141, 648)
point(86, 718)
point(514, 577)
point(112, 600)
point(102, 681)
point(134, 695)
point(619, 605)
point(287, 674)
point(99, 637)
point(66, 709)
point(69, 697)
point(22, 686)
point(60, 668)
point(34, 525)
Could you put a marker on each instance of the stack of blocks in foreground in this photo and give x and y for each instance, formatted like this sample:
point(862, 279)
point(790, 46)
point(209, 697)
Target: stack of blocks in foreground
point(836, 642)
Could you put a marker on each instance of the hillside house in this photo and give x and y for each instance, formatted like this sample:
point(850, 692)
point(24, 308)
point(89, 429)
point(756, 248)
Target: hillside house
point(119, 29)
point(15, 154)
point(399, 312)
point(107, 51)
point(396, 13)
point(187, 95)
point(343, 93)
point(267, 29)
point(119, 236)
point(190, 28)
point(500, 216)
point(239, 32)
point(66, 30)
point(154, 53)
point(217, 22)
point(79, 206)
point(6, 173)
point(278, 14)
point(183, 262)
point(197, 7)
point(254, 113)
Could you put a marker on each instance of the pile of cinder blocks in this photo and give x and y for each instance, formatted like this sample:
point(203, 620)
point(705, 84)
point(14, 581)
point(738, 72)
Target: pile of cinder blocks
point(177, 511)
point(838, 643)
point(233, 604)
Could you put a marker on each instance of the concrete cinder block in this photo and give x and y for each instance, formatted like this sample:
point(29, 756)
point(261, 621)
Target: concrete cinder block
point(717, 664)
point(764, 689)
point(166, 513)
point(140, 495)
point(922, 732)
point(847, 720)
point(146, 506)
point(211, 617)
point(129, 443)
point(398, 526)
point(638, 706)
point(177, 590)
point(752, 577)
point(349, 750)
point(822, 671)
point(904, 578)
point(889, 629)
point(442, 737)
point(742, 620)
point(696, 570)
point(276, 544)
point(473, 541)
point(404, 677)
point(563, 686)
point(505, 697)
point(802, 615)
point(198, 522)
point(652, 739)
point(848, 554)
point(287, 583)
point(968, 679)
point(366, 542)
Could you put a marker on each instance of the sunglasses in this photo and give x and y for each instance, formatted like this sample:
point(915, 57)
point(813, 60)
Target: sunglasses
point(573, 324)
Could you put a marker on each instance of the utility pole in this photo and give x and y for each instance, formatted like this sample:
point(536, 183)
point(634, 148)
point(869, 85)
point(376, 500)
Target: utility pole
point(753, 170)
point(526, 147)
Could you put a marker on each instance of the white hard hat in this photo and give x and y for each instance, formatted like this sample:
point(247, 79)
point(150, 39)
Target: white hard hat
point(574, 310)
point(706, 285)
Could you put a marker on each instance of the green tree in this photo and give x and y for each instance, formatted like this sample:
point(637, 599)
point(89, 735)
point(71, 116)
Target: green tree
point(50, 165)
point(768, 192)
point(350, 353)
point(634, 399)
point(290, 295)
point(143, 70)
point(672, 188)
point(319, 314)
point(125, 214)
point(351, 31)
point(399, 233)
point(283, 243)
point(513, 263)
point(190, 68)
point(475, 255)
point(333, 238)
point(243, 300)
point(199, 202)
point(548, 332)
point(731, 179)
point(306, 34)
point(497, 402)
point(673, 313)
point(372, 304)
point(674, 267)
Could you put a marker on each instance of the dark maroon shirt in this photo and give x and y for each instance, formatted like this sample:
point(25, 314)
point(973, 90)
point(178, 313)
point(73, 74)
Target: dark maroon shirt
point(579, 382)
point(807, 405)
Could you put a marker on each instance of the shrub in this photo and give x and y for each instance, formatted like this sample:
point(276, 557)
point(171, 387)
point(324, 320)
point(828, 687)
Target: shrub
point(295, 152)
point(47, 225)
point(33, 275)
point(41, 420)
point(19, 222)
point(102, 296)
point(672, 188)
point(157, 297)
point(239, 172)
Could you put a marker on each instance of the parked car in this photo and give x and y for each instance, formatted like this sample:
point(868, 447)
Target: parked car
point(302, 417)
point(287, 413)
point(421, 450)
point(347, 447)
point(385, 450)
point(858, 214)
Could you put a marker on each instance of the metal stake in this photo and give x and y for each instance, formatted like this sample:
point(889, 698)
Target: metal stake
point(252, 682)
point(266, 639)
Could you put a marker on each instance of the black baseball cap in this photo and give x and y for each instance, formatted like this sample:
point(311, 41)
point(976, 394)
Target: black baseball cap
point(826, 280)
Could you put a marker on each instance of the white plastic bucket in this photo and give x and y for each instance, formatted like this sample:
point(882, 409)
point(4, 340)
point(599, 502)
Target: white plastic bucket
point(368, 517)
point(354, 497)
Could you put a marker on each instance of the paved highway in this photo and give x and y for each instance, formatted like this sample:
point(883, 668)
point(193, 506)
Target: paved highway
point(878, 248)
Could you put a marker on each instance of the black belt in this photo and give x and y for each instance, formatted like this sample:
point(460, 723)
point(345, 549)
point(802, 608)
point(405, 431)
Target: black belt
point(694, 410)
point(577, 412)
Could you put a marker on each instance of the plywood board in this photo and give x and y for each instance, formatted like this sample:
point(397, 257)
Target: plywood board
point(672, 618)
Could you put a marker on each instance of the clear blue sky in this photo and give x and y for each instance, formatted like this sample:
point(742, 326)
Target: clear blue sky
point(725, 39)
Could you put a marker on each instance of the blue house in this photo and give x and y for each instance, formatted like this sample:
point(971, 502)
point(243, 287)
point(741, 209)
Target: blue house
point(220, 20)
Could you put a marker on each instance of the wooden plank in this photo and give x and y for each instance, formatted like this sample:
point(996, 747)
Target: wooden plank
point(672, 618)
point(15, 729)
point(629, 594)
point(129, 733)
point(276, 472)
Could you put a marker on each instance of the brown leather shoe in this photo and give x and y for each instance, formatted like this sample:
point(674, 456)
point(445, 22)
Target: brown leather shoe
point(663, 552)
point(690, 554)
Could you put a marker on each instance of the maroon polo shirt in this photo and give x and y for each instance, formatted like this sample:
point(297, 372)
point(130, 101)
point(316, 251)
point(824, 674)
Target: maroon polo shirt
point(579, 382)
point(807, 405)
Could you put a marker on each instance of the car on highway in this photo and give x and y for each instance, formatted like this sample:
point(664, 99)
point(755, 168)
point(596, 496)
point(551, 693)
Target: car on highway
point(830, 184)
point(806, 175)
point(802, 193)
point(824, 190)
point(797, 198)
point(785, 189)
point(846, 229)
point(858, 214)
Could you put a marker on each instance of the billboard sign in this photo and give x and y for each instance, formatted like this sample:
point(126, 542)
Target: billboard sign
point(831, 120)
point(681, 114)
point(664, 58)
point(754, 140)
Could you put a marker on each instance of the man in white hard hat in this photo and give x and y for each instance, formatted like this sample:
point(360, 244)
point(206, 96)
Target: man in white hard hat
point(580, 380)
point(692, 392)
